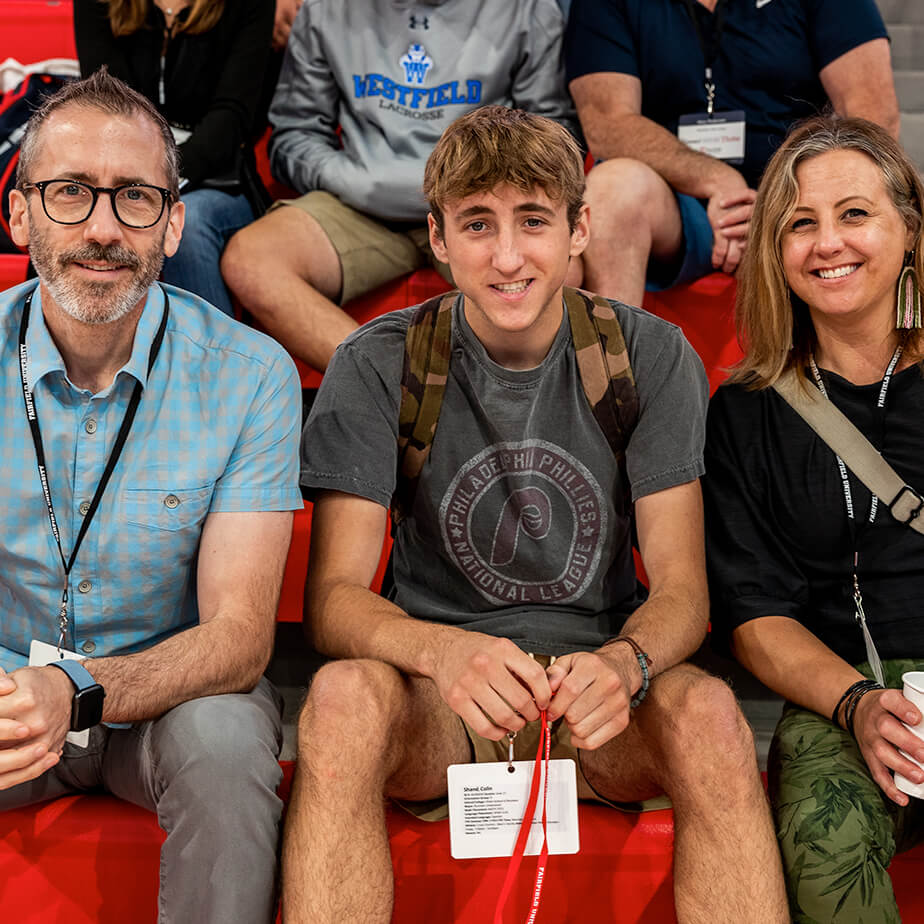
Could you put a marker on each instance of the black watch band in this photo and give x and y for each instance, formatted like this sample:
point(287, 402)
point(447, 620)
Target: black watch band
point(87, 705)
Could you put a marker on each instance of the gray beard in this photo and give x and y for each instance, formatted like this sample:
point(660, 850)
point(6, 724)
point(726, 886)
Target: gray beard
point(94, 302)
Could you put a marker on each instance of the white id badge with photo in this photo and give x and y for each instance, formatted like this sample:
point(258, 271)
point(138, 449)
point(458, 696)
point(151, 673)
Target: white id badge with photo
point(720, 135)
point(487, 801)
point(41, 654)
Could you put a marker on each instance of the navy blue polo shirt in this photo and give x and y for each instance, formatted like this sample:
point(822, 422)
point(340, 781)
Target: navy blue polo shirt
point(768, 60)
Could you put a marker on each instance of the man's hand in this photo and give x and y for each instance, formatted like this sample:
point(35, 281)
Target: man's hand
point(7, 684)
point(729, 210)
point(490, 683)
point(877, 725)
point(282, 24)
point(592, 691)
point(35, 716)
point(12, 731)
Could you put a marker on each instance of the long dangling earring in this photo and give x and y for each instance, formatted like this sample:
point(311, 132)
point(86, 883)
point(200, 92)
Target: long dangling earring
point(908, 307)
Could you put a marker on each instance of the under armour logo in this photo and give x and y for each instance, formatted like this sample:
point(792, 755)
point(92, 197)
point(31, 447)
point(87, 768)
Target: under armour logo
point(423, 22)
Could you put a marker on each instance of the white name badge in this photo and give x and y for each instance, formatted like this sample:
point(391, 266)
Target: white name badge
point(40, 654)
point(486, 805)
point(720, 135)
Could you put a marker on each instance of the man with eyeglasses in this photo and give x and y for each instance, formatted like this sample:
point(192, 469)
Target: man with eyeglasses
point(148, 449)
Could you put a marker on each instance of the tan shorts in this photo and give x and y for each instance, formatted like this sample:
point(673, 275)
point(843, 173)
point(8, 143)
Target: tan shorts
point(525, 745)
point(371, 253)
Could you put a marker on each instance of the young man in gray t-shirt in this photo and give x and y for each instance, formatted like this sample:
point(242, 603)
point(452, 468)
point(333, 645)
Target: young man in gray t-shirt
point(517, 542)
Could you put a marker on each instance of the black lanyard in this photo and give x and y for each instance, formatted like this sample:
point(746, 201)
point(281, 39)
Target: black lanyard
point(872, 654)
point(880, 405)
point(127, 422)
point(709, 49)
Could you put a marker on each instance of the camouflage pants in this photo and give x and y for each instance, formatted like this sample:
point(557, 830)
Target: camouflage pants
point(837, 830)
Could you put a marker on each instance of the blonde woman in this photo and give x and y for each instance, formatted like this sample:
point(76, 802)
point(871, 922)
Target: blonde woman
point(797, 545)
point(203, 64)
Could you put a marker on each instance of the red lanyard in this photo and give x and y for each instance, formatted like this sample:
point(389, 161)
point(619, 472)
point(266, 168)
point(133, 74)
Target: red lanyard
point(542, 752)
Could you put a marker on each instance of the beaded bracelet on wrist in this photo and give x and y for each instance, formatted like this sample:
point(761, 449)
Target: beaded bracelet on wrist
point(643, 662)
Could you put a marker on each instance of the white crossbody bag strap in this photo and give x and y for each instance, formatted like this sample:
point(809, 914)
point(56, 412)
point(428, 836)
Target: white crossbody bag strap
point(858, 454)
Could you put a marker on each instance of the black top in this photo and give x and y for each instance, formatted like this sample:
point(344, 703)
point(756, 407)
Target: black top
point(213, 83)
point(778, 538)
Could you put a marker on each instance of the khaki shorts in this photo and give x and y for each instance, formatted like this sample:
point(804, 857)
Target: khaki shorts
point(525, 745)
point(371, 253)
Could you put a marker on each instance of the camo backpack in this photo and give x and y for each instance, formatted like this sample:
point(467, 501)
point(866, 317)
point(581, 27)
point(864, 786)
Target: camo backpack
point(603, 364)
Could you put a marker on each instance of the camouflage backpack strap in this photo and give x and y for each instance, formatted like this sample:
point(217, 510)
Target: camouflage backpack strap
point(423, 381)
point(603, 362)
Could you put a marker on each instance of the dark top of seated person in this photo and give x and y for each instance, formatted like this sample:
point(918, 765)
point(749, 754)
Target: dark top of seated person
point(837, 218)
point(203, 63)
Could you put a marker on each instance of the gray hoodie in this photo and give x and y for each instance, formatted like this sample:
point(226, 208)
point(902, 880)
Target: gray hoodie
point(393, 75)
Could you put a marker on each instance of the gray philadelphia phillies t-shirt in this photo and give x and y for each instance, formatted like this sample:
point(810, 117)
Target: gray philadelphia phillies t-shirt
point(517, 528)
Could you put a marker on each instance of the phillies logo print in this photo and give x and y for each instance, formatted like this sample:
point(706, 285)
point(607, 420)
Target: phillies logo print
point(529, 510)
point(524, 523)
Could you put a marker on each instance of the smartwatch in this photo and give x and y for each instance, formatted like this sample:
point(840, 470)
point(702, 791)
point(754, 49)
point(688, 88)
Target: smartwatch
point(87, 705)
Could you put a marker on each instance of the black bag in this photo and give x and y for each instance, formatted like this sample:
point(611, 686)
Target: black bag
point(16, 106)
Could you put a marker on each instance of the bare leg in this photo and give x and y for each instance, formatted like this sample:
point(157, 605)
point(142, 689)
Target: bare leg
point(366, 731)
point(633, 216)
point(285, 271)
point(690, 740)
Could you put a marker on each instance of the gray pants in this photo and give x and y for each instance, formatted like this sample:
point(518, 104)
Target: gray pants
point(209, 769)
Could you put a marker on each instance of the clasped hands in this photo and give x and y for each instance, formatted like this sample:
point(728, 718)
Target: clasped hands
point(35, 717)
point(729, 211)
point(496, 688)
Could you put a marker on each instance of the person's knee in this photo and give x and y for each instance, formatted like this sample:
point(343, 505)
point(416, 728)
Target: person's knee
point(286, 246)
point(626, 192)
point(244, 258)
point(350, 702)
point(229, 742)
point(709, 734)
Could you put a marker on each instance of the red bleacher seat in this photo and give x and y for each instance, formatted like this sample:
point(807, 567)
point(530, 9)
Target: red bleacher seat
point(94, 860)
point(12, 267)
point(30, 31)
point(705, 311)
point(36, 30)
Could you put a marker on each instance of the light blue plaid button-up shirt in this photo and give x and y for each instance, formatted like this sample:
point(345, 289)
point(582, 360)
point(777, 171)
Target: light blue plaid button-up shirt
point(217, 429)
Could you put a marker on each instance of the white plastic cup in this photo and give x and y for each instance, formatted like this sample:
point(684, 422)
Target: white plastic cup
point(913, 691)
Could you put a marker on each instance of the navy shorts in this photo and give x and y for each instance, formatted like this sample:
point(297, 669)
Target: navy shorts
point(696, 258)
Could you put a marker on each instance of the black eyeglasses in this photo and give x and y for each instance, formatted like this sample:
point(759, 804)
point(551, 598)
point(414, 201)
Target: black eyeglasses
point(70, 202)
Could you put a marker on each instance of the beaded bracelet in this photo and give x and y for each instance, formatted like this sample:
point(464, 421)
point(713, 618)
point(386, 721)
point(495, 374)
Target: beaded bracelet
point(643, 662)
